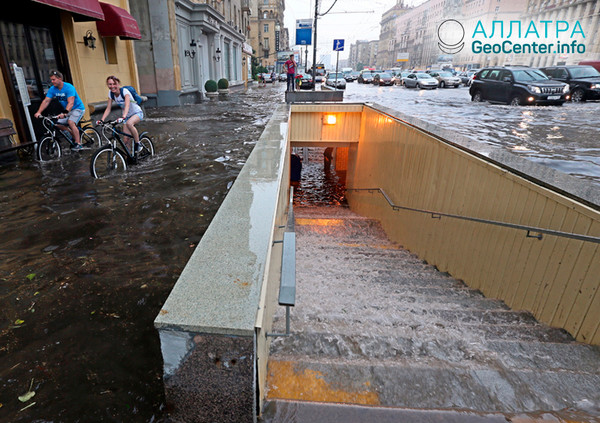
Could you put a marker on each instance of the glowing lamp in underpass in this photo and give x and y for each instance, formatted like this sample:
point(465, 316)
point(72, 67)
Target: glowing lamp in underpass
point(330, 120)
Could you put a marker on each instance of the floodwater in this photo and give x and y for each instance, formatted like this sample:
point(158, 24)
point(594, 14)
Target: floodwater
point(87, 264)
point(565, 137)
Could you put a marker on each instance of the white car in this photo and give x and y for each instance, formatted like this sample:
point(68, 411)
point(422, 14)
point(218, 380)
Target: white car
point(335, 80)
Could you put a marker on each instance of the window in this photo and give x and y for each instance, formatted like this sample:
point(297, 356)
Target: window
point(266, 43)
point(266, 2)
point(266, 28)
point(110, 50)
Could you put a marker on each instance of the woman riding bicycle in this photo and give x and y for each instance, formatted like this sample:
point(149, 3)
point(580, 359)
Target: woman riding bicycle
point(132, 112)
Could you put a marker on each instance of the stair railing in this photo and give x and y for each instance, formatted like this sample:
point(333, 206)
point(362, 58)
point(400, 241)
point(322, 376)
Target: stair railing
point(532, 232)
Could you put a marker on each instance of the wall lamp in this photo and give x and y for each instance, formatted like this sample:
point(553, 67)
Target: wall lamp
point(89, 40)
point(193, 43)
point(329, 119)
point(217, 55)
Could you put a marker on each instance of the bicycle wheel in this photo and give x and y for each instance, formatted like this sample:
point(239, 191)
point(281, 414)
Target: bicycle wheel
point(147, 147)
point(48, 149)
point(106, 162)
point(90, 137)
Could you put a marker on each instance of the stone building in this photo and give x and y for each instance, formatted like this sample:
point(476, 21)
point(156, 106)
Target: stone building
point(187, 42)
point(363, 54)
point(386, 56)
point(587, 12)
point(267, 33)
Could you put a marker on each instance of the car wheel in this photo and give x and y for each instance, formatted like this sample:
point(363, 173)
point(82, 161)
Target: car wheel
point(477, 97)
point(516, 101)
point(442, 84)
point(419, 86)
point(578, 95)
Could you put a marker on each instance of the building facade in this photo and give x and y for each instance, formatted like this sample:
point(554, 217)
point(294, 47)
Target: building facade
point(417, 37)
point(85, 40)
point(267, 32)
point(363, 54)
point(187, 42)
point(386, 57)
point(587, 12)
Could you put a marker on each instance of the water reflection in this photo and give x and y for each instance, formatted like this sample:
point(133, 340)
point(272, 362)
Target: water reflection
point(87, 263)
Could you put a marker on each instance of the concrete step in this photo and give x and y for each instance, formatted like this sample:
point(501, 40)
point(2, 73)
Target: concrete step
point(497, 354)
point(374, 324)
point(284, 411)
point(429, 384)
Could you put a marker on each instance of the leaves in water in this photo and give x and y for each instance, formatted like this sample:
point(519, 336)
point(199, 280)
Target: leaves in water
point(27, 396)
point(19, 322)
point(30, 276)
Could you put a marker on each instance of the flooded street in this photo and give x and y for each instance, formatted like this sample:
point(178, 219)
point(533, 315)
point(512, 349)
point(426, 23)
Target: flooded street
point(87, 264)
point(565, 137)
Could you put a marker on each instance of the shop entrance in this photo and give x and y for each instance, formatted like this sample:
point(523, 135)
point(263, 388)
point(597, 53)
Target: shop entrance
point(37, 47)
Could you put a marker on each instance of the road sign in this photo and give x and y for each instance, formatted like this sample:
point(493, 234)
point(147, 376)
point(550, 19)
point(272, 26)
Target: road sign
point(338, 45)
point(304, 32)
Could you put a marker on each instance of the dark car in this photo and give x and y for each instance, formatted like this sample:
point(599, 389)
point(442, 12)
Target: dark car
point(365, 77)
point(306, 81)
point(584, 81)
point(517, 85)
point(383, 79)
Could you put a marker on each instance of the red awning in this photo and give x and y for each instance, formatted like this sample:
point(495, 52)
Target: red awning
point(81, 9)
point(118, 23)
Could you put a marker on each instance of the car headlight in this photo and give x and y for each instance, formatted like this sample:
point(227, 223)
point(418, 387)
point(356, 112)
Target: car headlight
point(534, 89)
point(566, 88)
point(595, 86)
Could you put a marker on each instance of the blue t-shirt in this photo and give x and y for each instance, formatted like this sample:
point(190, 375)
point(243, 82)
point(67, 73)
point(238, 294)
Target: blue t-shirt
point(63, 95)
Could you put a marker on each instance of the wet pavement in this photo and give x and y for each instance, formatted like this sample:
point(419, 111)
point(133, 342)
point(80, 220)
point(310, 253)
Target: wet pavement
point(561, 137)
point(87, 264)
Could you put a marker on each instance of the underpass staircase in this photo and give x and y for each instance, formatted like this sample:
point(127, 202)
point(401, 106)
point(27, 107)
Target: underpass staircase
point(379, 335)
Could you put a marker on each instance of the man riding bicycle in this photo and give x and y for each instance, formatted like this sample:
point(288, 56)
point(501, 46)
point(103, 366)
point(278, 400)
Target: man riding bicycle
point(67, 96)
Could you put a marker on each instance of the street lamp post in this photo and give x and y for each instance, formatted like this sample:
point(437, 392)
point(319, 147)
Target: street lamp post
point(277, 31)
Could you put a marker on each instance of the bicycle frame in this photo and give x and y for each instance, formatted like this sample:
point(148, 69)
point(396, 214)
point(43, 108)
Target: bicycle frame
point(56, 133)
point(115, 136)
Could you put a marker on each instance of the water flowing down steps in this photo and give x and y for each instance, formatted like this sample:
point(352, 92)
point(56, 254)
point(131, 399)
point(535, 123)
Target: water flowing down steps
point(375, 326)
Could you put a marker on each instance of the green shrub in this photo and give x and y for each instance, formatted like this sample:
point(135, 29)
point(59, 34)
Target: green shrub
point(223, 84)
point(210, 86)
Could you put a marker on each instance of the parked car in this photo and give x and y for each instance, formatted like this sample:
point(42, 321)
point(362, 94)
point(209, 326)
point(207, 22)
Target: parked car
point(517, 85)
point(467, 76)
point(584, 81)
point(399, 78)
point(306, 81)
point(335, 80)
point(282, 77)
point(365, 77)
point(383, 79)
point(420, 80)
point(446, 79)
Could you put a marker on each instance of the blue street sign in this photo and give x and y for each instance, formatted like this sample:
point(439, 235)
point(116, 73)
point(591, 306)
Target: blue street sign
point(338, 45)
point(303, 32)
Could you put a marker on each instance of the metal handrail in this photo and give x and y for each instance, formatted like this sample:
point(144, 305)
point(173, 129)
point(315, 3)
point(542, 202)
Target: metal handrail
point(529, 229)
point(287, 292)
